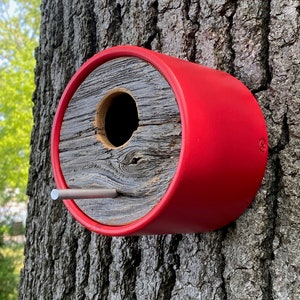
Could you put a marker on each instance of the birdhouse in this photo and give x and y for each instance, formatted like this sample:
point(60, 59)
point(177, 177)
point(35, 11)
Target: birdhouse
point(145, 143)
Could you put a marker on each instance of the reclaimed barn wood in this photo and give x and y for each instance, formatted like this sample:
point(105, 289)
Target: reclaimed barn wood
point(142, 167)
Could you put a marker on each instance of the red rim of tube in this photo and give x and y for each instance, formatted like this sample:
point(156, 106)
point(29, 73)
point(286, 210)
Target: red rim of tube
point(73, 85)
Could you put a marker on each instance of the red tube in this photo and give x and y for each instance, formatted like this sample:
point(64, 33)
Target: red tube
point(223, 154)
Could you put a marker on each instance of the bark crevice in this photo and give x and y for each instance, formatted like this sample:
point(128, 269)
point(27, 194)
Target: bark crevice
point(224, 233)
point(114, 32)
point(168, 262)
point(275, 192)
point(152, 24)
point(193, 26)
point(264, 54)
point(232, 4)
point(130, 263)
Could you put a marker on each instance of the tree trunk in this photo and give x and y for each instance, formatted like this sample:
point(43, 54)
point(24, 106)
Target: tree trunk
point(256, 257)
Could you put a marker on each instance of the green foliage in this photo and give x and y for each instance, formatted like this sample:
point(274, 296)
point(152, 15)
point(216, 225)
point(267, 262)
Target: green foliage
point(9, 227)
point(19, 26)
point(3, 230)
point(11, 261)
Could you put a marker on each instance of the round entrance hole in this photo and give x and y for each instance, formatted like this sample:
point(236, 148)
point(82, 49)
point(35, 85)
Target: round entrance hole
point(116, 118)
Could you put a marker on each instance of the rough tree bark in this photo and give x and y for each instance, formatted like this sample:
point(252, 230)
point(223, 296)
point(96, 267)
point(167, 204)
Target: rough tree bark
point(256, 257)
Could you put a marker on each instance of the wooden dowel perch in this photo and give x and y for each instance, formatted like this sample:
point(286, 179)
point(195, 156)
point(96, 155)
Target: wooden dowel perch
point(83, 194)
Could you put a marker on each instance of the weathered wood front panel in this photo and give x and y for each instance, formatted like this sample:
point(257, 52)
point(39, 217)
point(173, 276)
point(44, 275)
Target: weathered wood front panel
point(142, 168)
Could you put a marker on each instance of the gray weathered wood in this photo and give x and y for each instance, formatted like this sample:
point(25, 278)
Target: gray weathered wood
point(141, 169)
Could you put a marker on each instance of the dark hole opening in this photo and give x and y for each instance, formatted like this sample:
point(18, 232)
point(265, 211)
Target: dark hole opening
point(121, 119)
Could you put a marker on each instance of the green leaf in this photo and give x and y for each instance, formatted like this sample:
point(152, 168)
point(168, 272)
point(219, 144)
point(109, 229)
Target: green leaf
point(19, 30)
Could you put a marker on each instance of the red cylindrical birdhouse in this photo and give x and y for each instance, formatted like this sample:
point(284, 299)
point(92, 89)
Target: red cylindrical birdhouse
point(144, 143)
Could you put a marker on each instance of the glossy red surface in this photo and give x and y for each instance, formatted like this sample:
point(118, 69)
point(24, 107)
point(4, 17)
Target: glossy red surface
point(223, 154)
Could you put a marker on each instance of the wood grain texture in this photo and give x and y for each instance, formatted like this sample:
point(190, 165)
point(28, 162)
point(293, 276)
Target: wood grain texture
point(141, 169)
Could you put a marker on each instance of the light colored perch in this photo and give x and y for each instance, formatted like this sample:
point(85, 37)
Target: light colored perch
point(83, 193)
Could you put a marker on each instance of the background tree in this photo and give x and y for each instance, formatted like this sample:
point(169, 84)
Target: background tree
point(19, 26)
point(256, 257)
